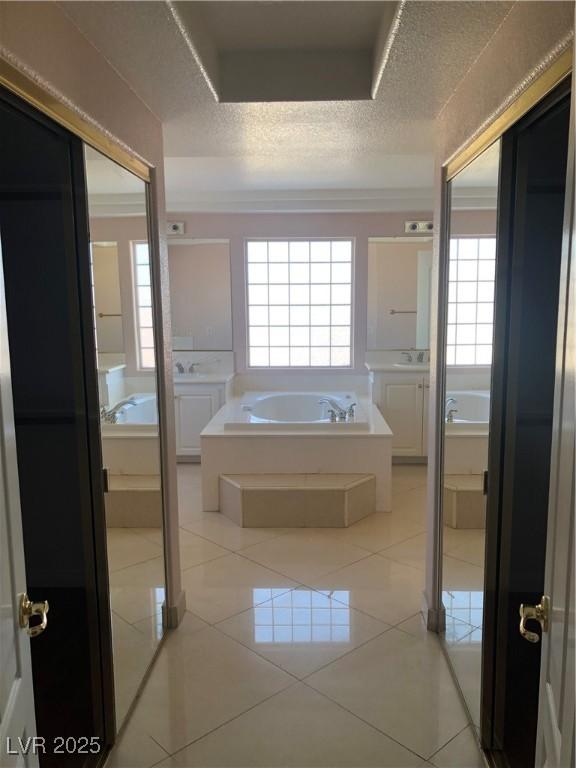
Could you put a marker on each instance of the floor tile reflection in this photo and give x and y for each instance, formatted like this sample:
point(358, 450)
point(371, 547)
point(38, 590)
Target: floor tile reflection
point(137, 592)
point(302, 630)
point(464, 605)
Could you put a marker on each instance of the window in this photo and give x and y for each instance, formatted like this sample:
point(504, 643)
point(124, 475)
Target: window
point(299, 303)
point(143, 290)
point(471, 300)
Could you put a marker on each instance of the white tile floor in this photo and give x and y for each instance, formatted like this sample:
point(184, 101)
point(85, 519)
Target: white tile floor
point(300, 648)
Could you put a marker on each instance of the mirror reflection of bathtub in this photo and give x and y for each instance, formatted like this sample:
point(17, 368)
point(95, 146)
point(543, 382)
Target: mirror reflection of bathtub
point(466, 447)
point(130, 446)
point(130, 454)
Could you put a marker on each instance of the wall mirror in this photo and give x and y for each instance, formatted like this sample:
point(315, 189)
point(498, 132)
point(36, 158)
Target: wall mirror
point(399, 292)
point(124, 328)
point(202, 309)
point(473, 197)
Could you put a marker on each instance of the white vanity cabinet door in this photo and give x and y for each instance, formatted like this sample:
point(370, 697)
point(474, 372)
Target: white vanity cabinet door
point(402, 404)
point(195, 406)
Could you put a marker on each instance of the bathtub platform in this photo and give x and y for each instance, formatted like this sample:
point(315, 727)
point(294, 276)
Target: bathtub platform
point(290, 449)
point(297, 500)
point(133, 501)
point(464, 501)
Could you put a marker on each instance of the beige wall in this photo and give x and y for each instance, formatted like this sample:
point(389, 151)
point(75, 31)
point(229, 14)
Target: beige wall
point(392, 284)
point(236, 227)
point(123, 230)
point(201, 298)
point(529, 39)
point(42, 42)
point(107, 299)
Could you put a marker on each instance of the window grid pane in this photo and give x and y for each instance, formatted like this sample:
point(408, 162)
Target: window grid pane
point(143, 298)
point(299, 303)
point(471, 300)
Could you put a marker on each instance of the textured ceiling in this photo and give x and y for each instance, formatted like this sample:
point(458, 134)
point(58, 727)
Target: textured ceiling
point(345, 148)
point(238, 26)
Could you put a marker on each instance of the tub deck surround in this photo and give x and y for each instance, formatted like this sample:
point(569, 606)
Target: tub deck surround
point(464, 501)
point(466, 438)
point(295, 411)
point(297, 500)
point(303, 450)
point(130, 447)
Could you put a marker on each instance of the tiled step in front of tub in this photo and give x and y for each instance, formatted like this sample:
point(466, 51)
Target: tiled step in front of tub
point(464, 501)
point(133, 501)
point(297, 500)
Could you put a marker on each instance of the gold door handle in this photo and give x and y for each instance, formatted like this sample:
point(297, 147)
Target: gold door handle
point(28, 609)
point(539, 613)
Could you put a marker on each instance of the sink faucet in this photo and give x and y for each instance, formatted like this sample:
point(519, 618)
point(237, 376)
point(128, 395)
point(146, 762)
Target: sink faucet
point(338, 410)
point(408, 356)
point(450, 415)
point(451, 401)
point(420, 356)
point(179, 367)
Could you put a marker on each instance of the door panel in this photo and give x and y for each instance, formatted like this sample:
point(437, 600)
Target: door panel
point(555, 741)
point(50, 326)
point(17, 720)
point(194, 412)
point(533, 174)
point(402, 404)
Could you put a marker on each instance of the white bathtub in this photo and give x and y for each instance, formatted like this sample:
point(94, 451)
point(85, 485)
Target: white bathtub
point(298, 411)
point(466, 438)
point(131, 446)
point(290, 432)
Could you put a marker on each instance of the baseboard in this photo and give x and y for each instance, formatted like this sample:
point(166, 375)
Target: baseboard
point(188, 459)
point(435, 617)
point(172, 615)
point(410, 460)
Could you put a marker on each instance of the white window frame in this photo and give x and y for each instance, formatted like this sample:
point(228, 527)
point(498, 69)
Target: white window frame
point(307, 368)
point(136, 304)
point(456, 365)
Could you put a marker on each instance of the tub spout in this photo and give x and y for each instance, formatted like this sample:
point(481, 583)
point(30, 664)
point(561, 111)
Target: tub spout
point(338, 410)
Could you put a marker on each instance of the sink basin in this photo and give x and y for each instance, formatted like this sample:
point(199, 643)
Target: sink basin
point(416, 367)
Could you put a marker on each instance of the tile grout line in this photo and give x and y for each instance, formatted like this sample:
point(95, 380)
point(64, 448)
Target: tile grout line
point(468, 725)
point(134, 565)
point(231, 719)
point(370, 725)
point(323, 666)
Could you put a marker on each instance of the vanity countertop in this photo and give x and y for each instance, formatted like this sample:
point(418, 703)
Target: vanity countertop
point(390, 367)
point(110, 361)
point(202, 378)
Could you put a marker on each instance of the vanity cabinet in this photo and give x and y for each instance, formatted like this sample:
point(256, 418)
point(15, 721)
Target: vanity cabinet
point(195, 405)
point(403, 401)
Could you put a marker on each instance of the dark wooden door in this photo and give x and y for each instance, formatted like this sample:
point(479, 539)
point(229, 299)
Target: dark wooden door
point(45, 246)
point(530, 230)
